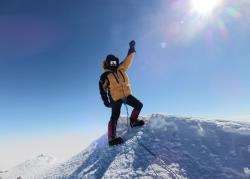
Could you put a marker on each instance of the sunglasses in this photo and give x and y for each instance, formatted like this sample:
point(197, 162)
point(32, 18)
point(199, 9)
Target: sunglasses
point(113, 63)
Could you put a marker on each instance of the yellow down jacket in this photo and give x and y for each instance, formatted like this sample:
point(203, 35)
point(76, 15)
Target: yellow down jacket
point(116, 83)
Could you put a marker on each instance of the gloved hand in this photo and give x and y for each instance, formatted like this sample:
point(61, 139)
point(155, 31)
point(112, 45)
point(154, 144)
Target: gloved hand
point(132, 44)
point(131, 47)
point(107, 104)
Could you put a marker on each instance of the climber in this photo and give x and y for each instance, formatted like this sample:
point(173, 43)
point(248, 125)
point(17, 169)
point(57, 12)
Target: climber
point(115, 90)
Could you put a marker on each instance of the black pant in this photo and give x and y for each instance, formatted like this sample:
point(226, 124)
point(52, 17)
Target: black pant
point(116, 107)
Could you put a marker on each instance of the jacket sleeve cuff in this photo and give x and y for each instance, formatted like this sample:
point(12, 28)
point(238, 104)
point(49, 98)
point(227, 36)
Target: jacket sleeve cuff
point(131, 50)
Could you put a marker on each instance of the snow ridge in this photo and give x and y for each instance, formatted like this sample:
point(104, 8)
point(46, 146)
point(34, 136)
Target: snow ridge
point(185, 148)
point(166, 147)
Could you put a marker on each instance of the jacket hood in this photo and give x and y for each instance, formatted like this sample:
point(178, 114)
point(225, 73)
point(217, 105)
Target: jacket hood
point(106, 64)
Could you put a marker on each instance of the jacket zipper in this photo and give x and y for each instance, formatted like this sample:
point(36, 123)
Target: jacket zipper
point(116, 77)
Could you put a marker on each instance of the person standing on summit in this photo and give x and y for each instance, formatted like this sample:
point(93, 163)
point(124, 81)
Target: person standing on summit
point(115, 90)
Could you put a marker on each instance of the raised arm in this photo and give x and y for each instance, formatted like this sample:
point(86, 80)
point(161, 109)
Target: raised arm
point(128, 60)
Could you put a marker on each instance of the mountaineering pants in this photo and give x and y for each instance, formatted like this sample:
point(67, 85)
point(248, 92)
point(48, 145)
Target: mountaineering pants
point(116, 110)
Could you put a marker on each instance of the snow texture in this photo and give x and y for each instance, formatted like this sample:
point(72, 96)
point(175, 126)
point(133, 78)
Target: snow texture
point(30, 169)
point(166, 147)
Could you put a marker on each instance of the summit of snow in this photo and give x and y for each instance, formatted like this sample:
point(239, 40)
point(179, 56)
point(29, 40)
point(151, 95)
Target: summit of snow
point(166, 147)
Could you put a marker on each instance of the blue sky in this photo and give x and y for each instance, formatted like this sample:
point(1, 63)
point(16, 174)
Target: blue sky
point(187, 63)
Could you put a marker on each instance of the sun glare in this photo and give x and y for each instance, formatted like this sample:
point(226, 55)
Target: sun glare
point(204, 7)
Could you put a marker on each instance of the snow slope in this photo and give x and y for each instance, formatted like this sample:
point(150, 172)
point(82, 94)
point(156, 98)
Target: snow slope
point(176, 147)
point(30, 169)
point(2, 173)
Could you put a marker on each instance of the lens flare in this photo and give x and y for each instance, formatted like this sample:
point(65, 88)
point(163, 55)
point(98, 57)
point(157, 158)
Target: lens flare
point(205, 7)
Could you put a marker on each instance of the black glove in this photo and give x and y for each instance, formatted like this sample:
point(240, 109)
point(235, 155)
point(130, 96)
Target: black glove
point(107, 104)
point(131, 47)
point(132, 44)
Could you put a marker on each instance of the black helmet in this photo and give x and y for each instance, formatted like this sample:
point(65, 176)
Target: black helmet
point(111, 62)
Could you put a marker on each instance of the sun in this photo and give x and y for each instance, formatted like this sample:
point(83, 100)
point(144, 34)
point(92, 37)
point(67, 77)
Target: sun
point(205, 7)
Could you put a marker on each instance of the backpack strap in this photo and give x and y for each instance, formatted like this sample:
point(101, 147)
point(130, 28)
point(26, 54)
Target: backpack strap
point(122, 75)
point(104, 92)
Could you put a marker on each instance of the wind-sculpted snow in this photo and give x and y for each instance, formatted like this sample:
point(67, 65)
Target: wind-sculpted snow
point(30, 169)
point(177, 148)
point(166, 147)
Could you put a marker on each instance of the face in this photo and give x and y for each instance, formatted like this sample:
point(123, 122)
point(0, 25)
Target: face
point(113, 63)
